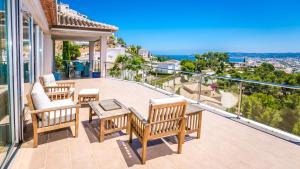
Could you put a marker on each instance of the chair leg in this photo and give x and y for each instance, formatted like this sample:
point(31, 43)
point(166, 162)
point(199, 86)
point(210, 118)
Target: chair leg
point(144, 151)
point(90, 115)
point(35, 139)
point(130, 135)
point(180, 142)
point(76, 122)
point(76, 130)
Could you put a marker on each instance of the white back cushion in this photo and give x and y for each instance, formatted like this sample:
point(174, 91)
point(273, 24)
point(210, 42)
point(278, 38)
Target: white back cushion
point(169, 100)
point(49, 80)
point(39, 98)
point(59, 115)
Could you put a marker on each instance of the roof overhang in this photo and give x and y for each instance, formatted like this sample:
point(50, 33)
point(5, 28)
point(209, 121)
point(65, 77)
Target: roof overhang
point(77, 35)
point(36, 10)
point(50, 11)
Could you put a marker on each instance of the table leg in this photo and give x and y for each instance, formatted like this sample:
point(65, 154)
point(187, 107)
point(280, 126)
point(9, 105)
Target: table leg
point(199, 124)
point(91, 115)
point(101, 132)
point(128, 124)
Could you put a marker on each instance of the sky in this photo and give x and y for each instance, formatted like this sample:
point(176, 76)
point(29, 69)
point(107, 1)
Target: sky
point(197, 26)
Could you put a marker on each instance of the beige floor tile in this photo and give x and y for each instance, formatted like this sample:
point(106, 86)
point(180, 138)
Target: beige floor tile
point(224, 143)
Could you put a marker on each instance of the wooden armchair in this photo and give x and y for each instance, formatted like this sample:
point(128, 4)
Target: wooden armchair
point(50, 114)
point(166, 118)
point(58, 87)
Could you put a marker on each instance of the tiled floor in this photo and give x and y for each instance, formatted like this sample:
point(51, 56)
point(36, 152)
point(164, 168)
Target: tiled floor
point(223, 144)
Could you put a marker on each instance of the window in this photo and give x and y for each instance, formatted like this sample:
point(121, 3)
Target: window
point(27, 48)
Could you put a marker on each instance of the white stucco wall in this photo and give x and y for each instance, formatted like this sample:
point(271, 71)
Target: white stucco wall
point(48, 54)
point(112, 53)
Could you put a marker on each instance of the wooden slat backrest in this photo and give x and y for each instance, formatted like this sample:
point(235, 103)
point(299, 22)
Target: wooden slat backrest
point(29, 99)
point(166, 117)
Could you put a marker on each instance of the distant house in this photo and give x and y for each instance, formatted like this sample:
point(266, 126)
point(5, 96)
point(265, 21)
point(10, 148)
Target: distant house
point(112, 53)
point(144, 53)
point(168, 66)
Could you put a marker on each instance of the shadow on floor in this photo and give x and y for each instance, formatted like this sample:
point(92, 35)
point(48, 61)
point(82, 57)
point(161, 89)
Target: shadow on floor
point(92, 131)
point(173, 139)
point(44, 138)
point(132, 152)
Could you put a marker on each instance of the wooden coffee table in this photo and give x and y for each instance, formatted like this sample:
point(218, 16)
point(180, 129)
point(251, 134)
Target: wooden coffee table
point(193, 120)
point(112, 120)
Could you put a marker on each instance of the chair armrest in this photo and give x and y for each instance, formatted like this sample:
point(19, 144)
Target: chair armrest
point(57, 87)
point(66, 83)
point(58, 95)
point(54, 109)
point(138, 115)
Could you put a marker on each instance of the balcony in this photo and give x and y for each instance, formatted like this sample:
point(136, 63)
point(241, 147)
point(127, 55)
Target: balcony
point(224, 143)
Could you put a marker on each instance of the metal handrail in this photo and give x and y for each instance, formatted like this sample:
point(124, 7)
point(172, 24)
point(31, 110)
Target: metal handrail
point(227, 78)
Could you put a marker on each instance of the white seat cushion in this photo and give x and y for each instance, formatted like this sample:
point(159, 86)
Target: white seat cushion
point(169, 100)
point(89, 91)
point(66, 115)
point(39, 98)
point(49, 80)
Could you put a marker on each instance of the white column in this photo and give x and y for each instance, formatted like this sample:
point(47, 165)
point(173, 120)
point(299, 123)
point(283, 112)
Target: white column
point(91, 54)
point(48, 54)
point(103, 54)
point(37, 56)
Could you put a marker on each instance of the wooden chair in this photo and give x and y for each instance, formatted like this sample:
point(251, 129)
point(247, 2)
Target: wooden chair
point(50, 114)
point(166, 118)
point(50, 85)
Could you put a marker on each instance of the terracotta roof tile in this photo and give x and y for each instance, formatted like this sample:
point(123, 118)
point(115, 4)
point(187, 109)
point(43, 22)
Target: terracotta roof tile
point(65, 20)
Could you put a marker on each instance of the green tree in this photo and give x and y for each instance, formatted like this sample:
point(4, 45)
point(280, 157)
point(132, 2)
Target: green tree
point(188, 66)
point(262, 108)
point(74, 51)
point(59, 63)
point(134, 49)
point(213, 60)
point(121, 42)
point(66, 51)
point(296, 128)
point(162, 58)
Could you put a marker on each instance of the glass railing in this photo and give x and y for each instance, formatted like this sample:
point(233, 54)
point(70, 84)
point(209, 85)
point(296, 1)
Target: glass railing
point(275, 105)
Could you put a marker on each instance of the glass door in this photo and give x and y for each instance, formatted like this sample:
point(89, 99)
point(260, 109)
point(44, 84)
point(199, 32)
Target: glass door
point(5, 89)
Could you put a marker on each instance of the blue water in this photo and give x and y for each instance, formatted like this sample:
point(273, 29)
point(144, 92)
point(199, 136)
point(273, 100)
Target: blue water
point(179, 57)
point(236, 60)
point(192, 57)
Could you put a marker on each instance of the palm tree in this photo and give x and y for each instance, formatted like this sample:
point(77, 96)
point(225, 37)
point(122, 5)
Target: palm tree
point(134, 49)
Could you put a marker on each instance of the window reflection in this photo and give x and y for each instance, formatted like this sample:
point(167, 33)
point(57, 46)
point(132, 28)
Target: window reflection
point(27, 47)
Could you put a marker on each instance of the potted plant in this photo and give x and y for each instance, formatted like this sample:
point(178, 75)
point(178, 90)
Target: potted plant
point(58, 67)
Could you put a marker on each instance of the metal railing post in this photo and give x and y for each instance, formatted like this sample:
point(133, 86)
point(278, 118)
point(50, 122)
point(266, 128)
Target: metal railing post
point(105, 69)
point(199, 87)
point(155, 84)
point(174, 81)
point(240, 100)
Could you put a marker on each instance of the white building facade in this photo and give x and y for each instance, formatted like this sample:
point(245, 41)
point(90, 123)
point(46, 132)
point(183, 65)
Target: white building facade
point(168, 67)
point(113, 53)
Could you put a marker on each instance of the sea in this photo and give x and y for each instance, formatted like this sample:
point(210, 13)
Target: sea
point(241, 57)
